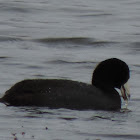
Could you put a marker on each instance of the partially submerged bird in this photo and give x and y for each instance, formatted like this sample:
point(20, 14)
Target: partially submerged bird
point(57, 93)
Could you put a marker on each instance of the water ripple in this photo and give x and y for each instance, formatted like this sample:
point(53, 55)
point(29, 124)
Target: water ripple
point(7, 38)
point(73, 40)
point(70, 62)
point(120, 136)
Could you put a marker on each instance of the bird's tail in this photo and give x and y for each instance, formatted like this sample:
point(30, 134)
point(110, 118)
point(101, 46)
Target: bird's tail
point(1, 100)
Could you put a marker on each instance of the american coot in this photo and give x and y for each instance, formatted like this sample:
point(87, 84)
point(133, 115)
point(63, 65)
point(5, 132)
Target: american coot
point(57, 93)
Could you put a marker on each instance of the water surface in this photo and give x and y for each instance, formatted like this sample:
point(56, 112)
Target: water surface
point(66, 39)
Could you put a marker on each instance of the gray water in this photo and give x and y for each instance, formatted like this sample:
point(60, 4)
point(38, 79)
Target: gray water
point(66, 39)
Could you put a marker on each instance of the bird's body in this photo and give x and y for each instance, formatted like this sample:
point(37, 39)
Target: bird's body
point(66, 94)
point(57, 93)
